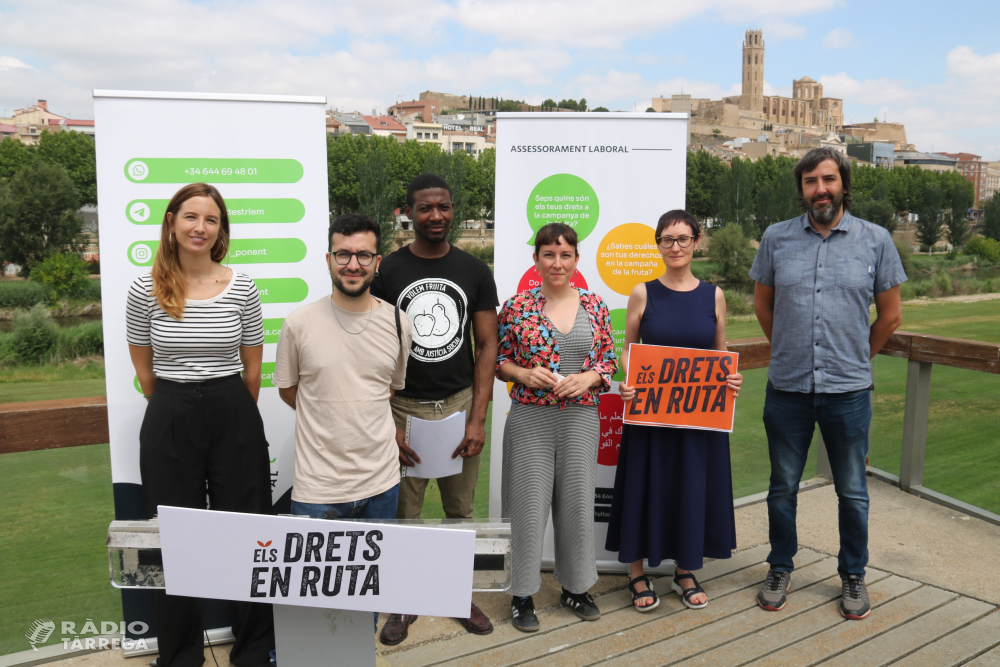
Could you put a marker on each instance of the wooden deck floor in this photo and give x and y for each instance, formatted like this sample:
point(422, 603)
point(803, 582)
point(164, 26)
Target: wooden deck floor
point(912, 624)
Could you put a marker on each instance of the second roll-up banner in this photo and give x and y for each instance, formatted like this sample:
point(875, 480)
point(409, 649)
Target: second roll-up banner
point(267, 156)
point(610, 176)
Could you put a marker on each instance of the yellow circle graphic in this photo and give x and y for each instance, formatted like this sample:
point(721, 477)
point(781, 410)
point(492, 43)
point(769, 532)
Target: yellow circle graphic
point(628, 256)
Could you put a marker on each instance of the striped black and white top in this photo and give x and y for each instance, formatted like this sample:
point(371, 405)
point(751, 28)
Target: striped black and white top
point(205, 343)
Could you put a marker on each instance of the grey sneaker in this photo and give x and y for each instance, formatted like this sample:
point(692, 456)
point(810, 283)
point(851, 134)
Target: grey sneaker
point(522, 611)
point(854, 599)
point(772, 595)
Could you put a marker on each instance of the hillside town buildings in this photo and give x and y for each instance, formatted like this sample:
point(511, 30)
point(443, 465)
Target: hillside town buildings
point(26, 125)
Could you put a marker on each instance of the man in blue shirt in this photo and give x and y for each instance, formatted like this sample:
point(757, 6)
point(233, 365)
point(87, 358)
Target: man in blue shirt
point(816, 277)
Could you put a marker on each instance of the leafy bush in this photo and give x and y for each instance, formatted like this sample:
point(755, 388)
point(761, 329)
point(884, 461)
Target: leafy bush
point(83, 340)
point(485, 253)
point(905, 256)
point(733, 254)
point(738, 303)
point(65, 273)
point(34, 336)
point(94, 266)
point(22, 294)
point(907, 291)
point(91, 291)
point(941, 285)
point(988, 249)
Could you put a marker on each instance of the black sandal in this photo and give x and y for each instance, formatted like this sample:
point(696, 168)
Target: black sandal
point(687, 593)
point(648, 593)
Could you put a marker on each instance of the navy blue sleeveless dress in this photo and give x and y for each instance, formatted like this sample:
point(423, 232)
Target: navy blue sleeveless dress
point(673, 497)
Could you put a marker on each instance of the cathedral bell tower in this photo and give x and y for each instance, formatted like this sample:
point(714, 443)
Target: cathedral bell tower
point(752, 97)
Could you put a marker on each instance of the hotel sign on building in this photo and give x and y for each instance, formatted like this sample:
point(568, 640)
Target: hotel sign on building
point(463, 128)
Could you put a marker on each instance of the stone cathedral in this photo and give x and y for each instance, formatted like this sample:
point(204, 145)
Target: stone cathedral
point(752, 109)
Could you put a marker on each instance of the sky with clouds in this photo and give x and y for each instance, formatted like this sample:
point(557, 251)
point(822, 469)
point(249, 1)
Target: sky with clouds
point(934, 66)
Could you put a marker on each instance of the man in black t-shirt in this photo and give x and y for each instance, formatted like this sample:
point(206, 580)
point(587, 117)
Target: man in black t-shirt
point(448, 296)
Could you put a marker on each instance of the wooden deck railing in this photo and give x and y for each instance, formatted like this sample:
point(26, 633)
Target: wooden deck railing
point(83, 421)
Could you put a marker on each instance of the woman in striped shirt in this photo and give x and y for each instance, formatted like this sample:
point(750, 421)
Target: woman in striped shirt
point(192, 326)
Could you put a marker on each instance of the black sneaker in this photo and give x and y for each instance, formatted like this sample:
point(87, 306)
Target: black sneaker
point(581, 603)
point(523, 612)
point(854, 599)
point(772, 595)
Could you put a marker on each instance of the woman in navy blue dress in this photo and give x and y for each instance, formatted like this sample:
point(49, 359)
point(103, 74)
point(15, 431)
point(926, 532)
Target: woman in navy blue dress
point(673, 497)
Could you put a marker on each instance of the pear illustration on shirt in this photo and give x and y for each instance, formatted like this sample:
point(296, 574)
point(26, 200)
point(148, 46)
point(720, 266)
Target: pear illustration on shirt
point(441, 320)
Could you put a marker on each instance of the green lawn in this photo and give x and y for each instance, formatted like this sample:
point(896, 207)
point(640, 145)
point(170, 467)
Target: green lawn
point(57, 503)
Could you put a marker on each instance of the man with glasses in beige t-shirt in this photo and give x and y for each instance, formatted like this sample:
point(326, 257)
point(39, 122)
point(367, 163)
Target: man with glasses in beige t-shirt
point(339, 360)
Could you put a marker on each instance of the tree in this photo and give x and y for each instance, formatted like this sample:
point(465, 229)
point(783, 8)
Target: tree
point(731, 251)
point(38, 214)
point(875, 206)
point(650, 109)
point(991, 217)
point(65, 273)
point(929, 223)
point(75, 153)
point(549, 103)
point(716, 131)
point(377, 193)
point(453, 168)
point(569, 104)
point(734, 200)
point(600, 109)
point(13, 156)
point(956, 227)
point(509, 105)
point(775, 201)
point(582, 104)
point(481, 183)
point(703, 171)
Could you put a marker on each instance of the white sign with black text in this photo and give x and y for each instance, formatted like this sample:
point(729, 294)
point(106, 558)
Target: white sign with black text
point(307, 562)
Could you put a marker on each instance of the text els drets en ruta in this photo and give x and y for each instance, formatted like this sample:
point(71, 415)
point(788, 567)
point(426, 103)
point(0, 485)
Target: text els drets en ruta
point(357, 562)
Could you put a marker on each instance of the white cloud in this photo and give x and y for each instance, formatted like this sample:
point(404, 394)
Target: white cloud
point(595, 24)
point(777, 30)
point(838, 39)
point(7, 62)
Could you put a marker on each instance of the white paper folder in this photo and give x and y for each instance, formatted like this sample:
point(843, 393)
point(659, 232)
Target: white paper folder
point(435, 442)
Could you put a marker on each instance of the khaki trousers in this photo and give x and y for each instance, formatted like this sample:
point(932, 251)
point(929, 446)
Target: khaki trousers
point(457, 491)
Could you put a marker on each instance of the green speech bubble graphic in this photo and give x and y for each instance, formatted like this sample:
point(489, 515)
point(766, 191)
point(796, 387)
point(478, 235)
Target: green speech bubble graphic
point(618, 319)
point(241, 211)
point(272, 328)
point(563, 198)
point(212, 170)
point(281, 290)
point(241, 251)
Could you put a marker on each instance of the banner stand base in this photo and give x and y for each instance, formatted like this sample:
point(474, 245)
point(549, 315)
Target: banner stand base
point(308, 636)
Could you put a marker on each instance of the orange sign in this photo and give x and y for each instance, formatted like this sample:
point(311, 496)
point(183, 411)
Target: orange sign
point(680, 386)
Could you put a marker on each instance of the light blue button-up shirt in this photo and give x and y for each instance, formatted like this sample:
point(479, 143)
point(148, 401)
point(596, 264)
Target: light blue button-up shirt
point(823, 289)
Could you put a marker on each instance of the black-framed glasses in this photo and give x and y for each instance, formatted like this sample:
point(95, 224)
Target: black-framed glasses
point(667, 242)
point(343, 257)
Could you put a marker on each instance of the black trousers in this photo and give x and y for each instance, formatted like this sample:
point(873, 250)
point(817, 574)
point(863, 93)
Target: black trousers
point(199, 437)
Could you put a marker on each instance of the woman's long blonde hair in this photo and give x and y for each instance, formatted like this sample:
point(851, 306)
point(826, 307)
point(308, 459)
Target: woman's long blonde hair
point(168, 282)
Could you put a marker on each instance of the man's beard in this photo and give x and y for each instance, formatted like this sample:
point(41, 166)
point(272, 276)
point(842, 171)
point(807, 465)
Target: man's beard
point(825, 215)
point(357, 291)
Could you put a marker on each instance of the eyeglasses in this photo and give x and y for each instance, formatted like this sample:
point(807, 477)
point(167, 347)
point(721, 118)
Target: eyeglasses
point(344, 258)
point(667, 242)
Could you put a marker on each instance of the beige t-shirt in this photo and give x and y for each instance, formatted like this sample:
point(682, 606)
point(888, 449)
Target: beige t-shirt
point(345, 439)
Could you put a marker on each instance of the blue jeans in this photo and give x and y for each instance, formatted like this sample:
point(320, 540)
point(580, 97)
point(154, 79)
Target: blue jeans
point(790, 419)
point(380, 506)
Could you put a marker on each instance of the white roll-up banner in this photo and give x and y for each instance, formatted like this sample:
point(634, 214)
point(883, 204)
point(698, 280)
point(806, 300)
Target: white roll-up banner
point(267, 156)
point(610, 176)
